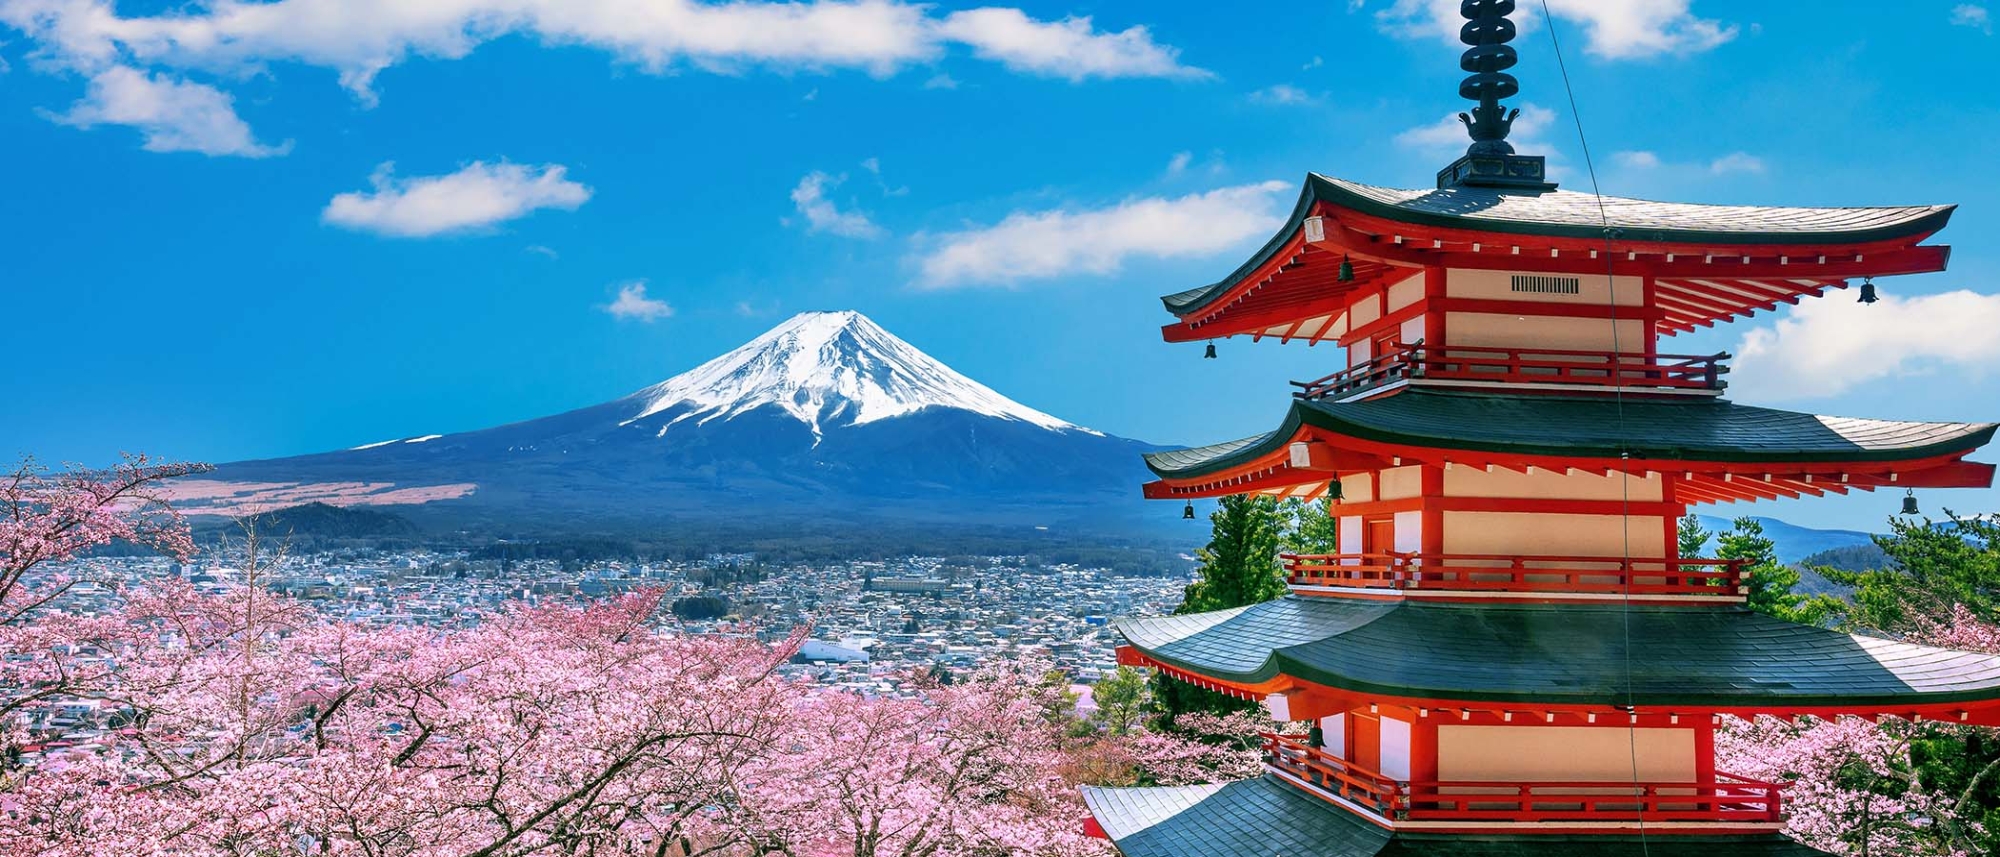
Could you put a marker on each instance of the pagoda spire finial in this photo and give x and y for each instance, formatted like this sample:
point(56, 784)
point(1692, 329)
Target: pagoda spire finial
point(1490, 160)
point(1487, 31)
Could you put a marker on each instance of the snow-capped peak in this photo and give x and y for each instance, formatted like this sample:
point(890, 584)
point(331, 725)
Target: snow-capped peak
point(826, 369)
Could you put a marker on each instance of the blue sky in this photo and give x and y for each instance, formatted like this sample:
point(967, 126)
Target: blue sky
point(247, 230)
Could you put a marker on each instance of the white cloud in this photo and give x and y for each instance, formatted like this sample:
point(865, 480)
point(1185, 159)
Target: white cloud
point(1612, 29)
point(1825, 347)
point(874, 168)
point(823, 216)
point(358, 39)
point(1070, 48)
point(1447, 136)
point(1636, 160)
point(941, 81)
point(1974, 16)
point(1734, 162)
point(1179, 163)
point(1044, 244)
point(1316, 63)
point(633, 304)
point(479, 195)
point(175, 115)
point(1284, 94)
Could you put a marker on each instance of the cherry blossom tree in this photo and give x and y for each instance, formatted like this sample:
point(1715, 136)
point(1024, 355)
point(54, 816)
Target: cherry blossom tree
point(244, 723)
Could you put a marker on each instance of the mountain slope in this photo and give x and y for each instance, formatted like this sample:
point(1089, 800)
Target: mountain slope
point(826, 415)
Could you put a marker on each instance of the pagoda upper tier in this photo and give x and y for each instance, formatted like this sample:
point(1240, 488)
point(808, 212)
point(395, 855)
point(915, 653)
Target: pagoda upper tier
point(1704, 450)
point(1691, 265)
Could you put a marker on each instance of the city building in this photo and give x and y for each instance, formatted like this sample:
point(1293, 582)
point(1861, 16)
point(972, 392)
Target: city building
point(1509, 655)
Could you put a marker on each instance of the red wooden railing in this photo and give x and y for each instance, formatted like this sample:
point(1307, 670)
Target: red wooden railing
point(1516, 573)
point(1522, 366)
point(1334, 774)
point(1726, 798)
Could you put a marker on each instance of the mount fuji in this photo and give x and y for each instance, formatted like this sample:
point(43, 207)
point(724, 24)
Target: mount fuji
point(825, 417)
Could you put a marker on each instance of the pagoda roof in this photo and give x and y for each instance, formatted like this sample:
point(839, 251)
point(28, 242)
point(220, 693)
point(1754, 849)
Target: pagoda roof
point(1574, 215)
point(1689, 429)
point(1266, 815)
point(1592, 655)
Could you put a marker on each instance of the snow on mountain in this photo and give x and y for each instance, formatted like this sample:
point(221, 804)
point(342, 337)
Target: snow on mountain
point(827, 369)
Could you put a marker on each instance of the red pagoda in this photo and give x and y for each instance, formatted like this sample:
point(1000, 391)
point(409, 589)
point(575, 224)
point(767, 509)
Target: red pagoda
point(1510, 656)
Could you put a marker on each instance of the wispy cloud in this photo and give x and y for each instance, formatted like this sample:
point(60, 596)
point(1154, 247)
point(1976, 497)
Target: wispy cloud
point(1612, 29)
point(1974, 16)
point(822, 215)
point(479, 195)
point(1032, 245)
point(1826, 347)
point(874, 168)
point(1732, 163)
point(633, 305)
point(1179, 163)
point(1285, 94)
point(174, 115)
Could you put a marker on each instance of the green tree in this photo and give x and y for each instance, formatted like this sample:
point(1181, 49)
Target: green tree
point(1693, 537)
point(1311, 527)
point(1771, 582)
point(1931, 568)
point(1122, 700)
point(1239, 567)
point(1240, 564)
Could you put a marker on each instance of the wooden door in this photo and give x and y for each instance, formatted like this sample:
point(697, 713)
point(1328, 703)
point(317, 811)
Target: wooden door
point(1364, 747)
point(1378, 534)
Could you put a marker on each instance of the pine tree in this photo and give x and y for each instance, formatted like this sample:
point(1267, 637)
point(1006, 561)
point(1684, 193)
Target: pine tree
point(1770, 581)
point(1240, 564)
point(1693, 538)
point(1313, 529)
point(1239, 567)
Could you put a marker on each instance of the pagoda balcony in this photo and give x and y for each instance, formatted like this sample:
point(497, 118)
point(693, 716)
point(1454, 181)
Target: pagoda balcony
point(1724, 800)
point(1553, 576)
point(1484, 367)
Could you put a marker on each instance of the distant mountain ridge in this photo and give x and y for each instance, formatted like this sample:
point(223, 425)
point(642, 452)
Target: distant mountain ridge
point(1792, 541)
point(826, 416)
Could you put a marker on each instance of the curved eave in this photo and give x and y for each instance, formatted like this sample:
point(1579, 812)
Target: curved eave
point(1913, 224)
point(1713, 658)
point(1535, 426)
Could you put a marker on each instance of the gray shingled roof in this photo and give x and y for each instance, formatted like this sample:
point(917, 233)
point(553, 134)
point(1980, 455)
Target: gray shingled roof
point(1639, 219)
point(1266, 817)
point(1569, 214)
point(1704, 655)
point(1690, 429)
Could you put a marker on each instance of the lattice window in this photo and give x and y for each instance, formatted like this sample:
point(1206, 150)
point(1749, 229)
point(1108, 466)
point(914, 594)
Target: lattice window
point(1541, 285)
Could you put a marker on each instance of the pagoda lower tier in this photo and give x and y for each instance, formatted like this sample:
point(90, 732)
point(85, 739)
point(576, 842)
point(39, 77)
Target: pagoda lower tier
point(1269, 815)
point(1478, 728)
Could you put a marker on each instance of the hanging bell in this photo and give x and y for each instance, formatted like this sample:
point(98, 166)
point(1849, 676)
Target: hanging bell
point(1209, 353)
point(1187, 514)
point(1346, 269)
point(1868, 291)
point(1333, 490)
point(1910, 502)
